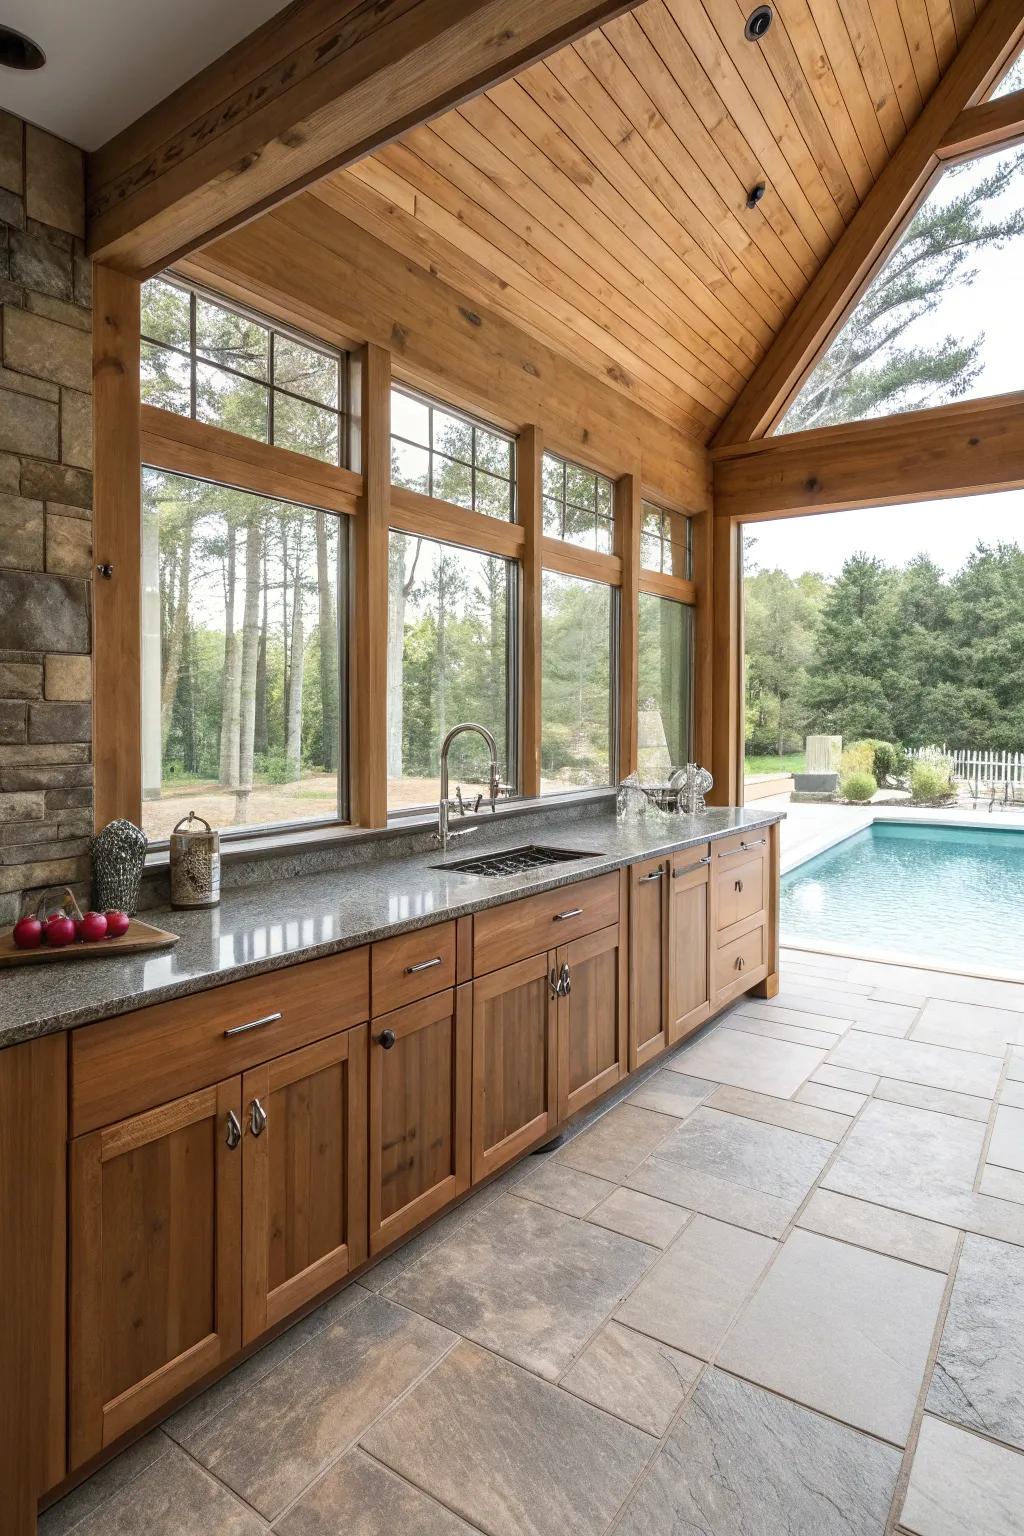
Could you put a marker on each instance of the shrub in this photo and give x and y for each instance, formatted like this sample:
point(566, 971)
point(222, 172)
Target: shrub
point(858, 757)
point(930, 779)
point(858, 786)
point(887, 761)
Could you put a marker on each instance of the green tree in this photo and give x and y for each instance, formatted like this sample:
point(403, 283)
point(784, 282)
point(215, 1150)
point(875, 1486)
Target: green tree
point(780, 619)
point(868, 370)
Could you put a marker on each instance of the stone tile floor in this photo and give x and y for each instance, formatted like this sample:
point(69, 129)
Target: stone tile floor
point(777, 1289)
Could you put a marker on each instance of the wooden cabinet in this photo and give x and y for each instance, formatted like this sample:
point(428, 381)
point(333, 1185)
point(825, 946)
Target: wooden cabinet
point(304, 1176)
point(689, 971)
point(155, 1301)
point(412, 965)
point(199, 1224)
point(592, 1018)
point(649, 912)
point(420, 1106)
point(523, 928)
point(515, 1062)
point(740, 906)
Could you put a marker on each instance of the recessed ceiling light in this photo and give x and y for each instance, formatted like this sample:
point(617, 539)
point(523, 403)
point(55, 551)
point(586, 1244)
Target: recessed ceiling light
point(758, 23)
point(18, 51)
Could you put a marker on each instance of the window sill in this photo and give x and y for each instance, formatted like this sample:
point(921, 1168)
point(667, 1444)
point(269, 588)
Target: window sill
point(400, 824)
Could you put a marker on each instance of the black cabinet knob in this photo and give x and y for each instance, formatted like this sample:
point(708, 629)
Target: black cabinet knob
point(386, 1038)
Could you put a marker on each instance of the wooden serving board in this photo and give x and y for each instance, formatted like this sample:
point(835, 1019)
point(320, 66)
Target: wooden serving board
point(140, 937)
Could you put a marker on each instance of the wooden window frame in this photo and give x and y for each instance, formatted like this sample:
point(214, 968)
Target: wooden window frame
point(130, 434)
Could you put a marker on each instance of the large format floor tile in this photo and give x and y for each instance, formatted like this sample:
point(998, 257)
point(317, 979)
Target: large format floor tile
point(960, 1484)
point(738, 1169)
point(173, 1497)
point(70, 1512)
point(641, 1216)
point(936, 1066)
point(270, 1443)
point(792, 1117)
point(749, 1061)
point(1006, 1149)
point(742, 1462)
point(636, 1378)
point(943, 1101)
point(563, 1188)
point(526, 1281)
point(916, 1161)
point(969, 1027)
point(359, 1497)
point(841, 1330)
point(509, 1453)
point(617, 1142)
point(884, 1231)
point(978, 1379)
point(671, 1093)
point(776, 1023)
point(698, 1285)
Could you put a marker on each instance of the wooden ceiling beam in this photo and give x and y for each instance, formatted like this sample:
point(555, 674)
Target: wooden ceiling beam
point(951, 450)
point(317, 87)
point(869, 237)
point(990, 125)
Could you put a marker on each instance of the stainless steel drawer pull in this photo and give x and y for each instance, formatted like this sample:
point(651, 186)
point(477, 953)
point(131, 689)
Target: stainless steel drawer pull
point(560, 917)
point(743, 848)
point(644, 879)
point(688, 869)
point(422, 965)
point(243, 1029)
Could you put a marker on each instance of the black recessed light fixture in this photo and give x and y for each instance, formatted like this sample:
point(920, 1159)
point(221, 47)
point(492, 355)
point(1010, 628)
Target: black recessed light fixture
point(758, 22)
point(18, 51)
point(755, 195)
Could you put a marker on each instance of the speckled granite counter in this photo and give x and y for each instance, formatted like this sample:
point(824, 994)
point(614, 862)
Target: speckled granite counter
point(265, 926)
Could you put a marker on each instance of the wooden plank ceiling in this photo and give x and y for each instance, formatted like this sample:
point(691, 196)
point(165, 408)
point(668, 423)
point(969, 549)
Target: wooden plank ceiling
point(598, 199)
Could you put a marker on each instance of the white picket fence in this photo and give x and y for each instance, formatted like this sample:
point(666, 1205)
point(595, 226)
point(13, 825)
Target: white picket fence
point(980, 767)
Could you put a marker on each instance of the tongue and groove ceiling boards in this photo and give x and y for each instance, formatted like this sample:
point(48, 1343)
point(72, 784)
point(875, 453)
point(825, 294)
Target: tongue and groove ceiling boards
point(599, 198)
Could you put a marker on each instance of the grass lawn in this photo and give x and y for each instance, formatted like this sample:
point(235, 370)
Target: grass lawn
point(792, 762)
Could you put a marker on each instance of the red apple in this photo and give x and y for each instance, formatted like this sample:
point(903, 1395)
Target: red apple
point(92, 927)
point(58, 930)
point(28, 933)
point(117, 923)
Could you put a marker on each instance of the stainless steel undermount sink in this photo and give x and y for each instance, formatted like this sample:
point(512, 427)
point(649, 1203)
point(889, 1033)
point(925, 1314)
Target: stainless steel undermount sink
point(516, 861)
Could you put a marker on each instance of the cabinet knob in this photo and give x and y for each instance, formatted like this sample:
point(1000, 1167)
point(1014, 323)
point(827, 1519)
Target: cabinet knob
point(740, 962)
point(386, 1039)
point(739, 885)
point(234, 1133)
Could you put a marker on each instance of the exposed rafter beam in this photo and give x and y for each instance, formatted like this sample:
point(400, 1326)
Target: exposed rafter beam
point(318, 86)
point(873, 230)
point(990, 125)
point(952, 450)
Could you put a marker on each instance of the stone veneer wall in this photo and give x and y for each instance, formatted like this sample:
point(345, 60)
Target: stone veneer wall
point(45, 517)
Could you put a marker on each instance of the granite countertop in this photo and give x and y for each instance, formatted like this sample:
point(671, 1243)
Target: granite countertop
point(262, 927)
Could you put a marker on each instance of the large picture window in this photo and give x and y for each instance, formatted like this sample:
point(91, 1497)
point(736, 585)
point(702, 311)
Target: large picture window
point(451, 620)
point(578, 673)
point(440, 452)
point(205, 359)
point(242, 657)
point(665, 686)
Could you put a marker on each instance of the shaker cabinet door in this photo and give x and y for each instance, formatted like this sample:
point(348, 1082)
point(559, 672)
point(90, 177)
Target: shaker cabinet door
point(155, 1299)
point(514, 1063)
point(592, 1019)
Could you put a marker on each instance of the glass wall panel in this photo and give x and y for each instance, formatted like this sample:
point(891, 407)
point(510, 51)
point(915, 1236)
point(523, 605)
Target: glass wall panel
point(578, 675)
point(665, 687)
point(241, 657)
point(450, 660)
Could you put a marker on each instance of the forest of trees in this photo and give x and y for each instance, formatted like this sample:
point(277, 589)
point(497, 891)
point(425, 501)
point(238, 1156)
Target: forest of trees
point(902, 654)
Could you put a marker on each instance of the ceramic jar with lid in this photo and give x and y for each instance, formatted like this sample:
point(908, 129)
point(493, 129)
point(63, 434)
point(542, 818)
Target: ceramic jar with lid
point(195, 864)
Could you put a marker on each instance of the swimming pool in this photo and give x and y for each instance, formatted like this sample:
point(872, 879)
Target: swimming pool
point(949, 894)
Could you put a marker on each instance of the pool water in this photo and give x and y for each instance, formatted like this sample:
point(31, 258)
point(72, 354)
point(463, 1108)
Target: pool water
point(951, 894)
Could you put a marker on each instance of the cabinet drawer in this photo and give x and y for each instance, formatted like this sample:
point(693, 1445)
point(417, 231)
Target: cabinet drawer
point(690, 866)
point(128, 1064)
point(740, 887)
point(519, 929)
point(737, 849)
point(411, 966)
point(740, 962)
